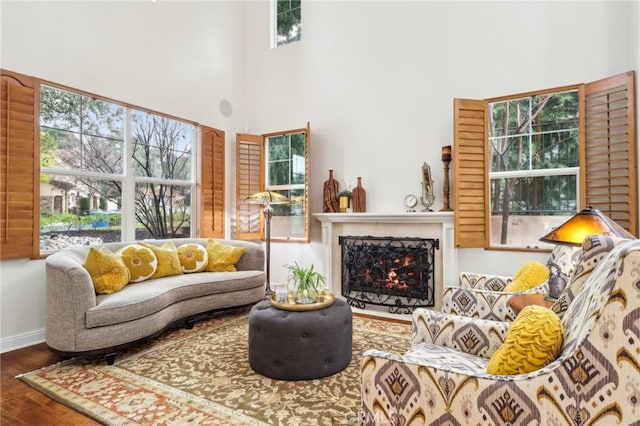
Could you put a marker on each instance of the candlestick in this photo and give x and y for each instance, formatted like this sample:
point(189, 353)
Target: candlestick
point(446, 207)
point(446, 153)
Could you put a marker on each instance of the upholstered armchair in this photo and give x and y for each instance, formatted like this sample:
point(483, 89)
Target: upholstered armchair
point(443, 379)
point(483, 296)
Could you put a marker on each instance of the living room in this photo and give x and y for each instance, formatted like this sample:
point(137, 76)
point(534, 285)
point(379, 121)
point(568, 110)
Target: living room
point(375, 80)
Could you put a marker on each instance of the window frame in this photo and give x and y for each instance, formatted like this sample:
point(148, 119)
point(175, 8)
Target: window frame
point(528, 172)
point(24, 242)
point(274, 21)
point(471, 188)
point(251, 174)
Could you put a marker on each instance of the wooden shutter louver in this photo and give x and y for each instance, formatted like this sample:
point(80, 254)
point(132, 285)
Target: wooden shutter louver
point(19, 168)
point(609, 155)
point(213, 186)
point(470, 192)
point(249, 180)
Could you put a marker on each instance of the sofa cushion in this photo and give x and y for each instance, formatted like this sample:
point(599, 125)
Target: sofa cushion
point(533, 341)
point(222, 257)
point(168, 260)
point(141, 262)
point(142, 299)
point(529, 275)
point(193, 258)
point(108, 272)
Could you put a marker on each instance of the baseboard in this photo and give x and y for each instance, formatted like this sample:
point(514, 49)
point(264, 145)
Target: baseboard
point(21, 341)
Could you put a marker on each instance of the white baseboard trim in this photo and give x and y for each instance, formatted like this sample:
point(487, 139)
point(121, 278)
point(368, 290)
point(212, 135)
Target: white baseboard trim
point(21, 341)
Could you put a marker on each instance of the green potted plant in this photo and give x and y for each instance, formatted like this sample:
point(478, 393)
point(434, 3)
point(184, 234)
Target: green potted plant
point(308, 282)
point(345, 200)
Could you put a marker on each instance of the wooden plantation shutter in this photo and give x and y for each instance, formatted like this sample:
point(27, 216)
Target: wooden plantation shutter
point(471, 183)
point(249, 180)
point(19, 166)
point(608, 155)
point(212, 191)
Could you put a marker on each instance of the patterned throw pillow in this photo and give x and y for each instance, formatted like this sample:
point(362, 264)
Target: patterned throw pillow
point(222, 257)
point(168, 260)
point(108, 272)
point(193, 258)
point(530, 275)
point(534, 340)
point(140, 261)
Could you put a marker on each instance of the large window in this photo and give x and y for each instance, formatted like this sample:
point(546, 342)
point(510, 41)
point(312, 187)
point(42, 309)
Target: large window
point(533, 166)
point(286, 21)
point(525, 163)
point(277, 162)
point(110, 172)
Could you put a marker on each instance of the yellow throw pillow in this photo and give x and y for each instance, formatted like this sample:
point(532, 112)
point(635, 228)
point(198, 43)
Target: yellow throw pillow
point(534, 340)
point(530, 275)
point(168, 261)
point(193, 258)
point(108, 272)
point(141, 262)
point(222, 258)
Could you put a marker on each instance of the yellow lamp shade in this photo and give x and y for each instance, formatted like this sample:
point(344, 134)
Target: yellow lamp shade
point(588, 221)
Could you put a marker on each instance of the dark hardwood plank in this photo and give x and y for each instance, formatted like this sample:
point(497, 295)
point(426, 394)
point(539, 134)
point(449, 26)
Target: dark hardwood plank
point(22, 405)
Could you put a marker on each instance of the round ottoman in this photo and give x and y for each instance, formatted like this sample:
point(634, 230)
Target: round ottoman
point(289, 345)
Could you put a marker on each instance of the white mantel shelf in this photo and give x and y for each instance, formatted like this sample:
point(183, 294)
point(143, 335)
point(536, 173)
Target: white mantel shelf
point(414, 217)
point(438, 225)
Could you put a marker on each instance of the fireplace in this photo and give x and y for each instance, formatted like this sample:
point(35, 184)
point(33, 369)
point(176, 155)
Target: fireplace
point(397, 273)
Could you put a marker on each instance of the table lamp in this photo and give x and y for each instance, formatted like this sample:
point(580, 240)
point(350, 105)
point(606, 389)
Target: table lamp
point(266, 199)
point(586, 222)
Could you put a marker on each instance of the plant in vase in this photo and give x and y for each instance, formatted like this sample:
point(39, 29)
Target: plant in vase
point(308, 283)
point(345, 200)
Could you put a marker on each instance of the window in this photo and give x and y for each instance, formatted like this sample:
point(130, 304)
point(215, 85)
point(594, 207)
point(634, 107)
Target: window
point(286, 21)
point(524, 163)
point(83, 152)
point(277, 162)
point(107, 171)
point(533, 166)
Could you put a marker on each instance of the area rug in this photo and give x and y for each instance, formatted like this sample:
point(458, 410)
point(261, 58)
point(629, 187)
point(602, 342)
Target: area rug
point(202, 377)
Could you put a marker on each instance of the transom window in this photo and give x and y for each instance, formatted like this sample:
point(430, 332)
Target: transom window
point(286, 21)
point(110, 172)
point(533, 166)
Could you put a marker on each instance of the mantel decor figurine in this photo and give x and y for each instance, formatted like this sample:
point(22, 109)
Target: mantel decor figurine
point(359, 198)
point(446, 159)
point(427, 198)
point(331, 188)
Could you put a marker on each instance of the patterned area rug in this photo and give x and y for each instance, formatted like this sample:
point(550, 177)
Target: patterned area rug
point(202, 377)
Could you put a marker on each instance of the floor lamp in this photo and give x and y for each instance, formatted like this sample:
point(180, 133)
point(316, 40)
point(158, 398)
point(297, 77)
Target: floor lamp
point(266, 199)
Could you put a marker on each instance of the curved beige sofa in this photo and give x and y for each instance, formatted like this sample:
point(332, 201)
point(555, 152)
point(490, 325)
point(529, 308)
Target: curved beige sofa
point(80, 322)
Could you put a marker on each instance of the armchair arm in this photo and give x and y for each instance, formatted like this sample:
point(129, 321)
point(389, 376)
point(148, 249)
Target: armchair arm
point(473, 336)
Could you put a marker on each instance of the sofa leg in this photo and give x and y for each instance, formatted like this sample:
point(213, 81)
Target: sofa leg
point(188, 324)
point(110, 358)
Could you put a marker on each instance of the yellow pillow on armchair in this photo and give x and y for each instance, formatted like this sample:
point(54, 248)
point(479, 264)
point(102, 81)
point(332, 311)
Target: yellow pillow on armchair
point(534, 340)
point(528, 276)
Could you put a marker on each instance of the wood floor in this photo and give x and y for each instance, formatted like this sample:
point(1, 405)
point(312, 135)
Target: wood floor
point(22, 405)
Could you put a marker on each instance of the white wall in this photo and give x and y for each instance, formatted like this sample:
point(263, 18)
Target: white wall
point(375, 79)
point(179, 58)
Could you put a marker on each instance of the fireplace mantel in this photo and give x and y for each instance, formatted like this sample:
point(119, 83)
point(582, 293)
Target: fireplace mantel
point(438, 225)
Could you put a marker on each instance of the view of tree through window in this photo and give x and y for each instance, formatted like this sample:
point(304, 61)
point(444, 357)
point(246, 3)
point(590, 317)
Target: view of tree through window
point(105, 166)
point(287, 21)
point(286, 170)
point(533, 170)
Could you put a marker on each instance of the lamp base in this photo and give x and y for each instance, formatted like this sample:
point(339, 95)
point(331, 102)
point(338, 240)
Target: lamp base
point(268, 293)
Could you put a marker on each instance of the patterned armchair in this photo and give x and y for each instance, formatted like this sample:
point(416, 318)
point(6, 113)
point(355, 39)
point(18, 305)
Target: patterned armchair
point(483, 296)
point(442, 378)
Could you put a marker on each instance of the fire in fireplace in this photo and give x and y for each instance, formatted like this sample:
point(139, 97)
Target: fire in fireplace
point(388, 271)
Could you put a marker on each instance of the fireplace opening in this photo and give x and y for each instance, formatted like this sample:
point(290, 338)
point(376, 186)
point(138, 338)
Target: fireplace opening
point(394, 272)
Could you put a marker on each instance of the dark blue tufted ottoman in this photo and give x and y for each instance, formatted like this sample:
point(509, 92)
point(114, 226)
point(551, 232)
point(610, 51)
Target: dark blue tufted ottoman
point(289, 345)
